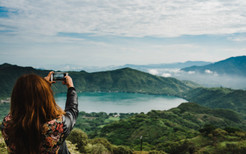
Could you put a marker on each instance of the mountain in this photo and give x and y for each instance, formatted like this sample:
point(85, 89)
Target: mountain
point(121, 80)
point(168, 65)
point(232, 66)
point(10, 73)
point(129, 80)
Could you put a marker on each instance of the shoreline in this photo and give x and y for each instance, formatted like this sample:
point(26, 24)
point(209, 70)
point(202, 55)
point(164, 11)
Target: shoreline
point(144, 93)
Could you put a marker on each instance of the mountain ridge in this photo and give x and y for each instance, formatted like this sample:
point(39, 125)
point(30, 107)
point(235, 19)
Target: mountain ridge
point(133, 81)
point(120, 80)
point(170, 65)
point(229, 66)
point(73, 67)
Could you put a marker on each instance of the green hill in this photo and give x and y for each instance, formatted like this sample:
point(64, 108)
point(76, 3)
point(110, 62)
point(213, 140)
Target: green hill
point(10, 73)
point(121, 80)
point(218, 98)
point(175, 125)
point(232, 66)
point(128, 80)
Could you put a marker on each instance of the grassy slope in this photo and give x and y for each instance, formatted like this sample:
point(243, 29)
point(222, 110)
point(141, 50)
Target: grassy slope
point(219, 141)
point(172, 125)
point(219, 98)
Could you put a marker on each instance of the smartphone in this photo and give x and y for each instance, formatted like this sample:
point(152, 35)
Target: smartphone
point(58, 76)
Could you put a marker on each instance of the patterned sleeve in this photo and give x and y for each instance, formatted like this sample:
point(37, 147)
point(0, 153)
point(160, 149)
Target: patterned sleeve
point(53, 135)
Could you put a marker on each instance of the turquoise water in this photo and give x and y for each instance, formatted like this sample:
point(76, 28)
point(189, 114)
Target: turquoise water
point(121, 102)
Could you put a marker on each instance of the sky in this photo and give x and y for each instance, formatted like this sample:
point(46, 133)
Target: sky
point(117, 32)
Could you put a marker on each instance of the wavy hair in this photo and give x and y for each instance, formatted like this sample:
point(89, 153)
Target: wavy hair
point(32, 105)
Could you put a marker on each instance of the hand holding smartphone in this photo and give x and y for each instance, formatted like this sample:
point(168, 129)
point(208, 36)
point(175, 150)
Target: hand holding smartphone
point(52, 77)
point(58, 76)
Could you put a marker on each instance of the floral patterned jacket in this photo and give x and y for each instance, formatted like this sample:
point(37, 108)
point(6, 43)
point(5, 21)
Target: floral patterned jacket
point(55, 131)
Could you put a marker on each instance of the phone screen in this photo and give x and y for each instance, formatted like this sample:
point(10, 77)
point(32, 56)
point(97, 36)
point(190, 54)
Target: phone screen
point(58, 76)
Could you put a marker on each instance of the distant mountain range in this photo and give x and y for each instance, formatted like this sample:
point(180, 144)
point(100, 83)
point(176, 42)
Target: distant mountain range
point(72, 67)
point(235, 66)
point(169, 65)
point(120, 80)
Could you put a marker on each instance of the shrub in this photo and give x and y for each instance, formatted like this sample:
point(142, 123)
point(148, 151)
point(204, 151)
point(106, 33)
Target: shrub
point(207, 129)
point(219, 132)
point(231, 129)
point(156, 152)
point(235, 148)
point(122, 150)
point(104, 142)
point(3, 147)
point(77, 136)
point(72, 148)
point(98, 149)
point(177, 147)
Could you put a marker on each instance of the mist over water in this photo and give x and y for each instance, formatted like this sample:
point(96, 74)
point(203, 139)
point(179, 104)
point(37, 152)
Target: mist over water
point(207, 79)
point(121, 102)
point(234, 82)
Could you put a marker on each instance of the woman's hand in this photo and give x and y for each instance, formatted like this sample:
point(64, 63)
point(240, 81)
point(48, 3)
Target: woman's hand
point(69, 82)
point(47, 78)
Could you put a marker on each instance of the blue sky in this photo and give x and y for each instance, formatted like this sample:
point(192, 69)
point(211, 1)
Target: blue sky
point(109, 32)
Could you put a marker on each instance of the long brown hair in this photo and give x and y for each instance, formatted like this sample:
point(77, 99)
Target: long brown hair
point(32, 104)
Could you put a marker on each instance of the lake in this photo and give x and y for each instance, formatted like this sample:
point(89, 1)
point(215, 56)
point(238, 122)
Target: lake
point(121, 102)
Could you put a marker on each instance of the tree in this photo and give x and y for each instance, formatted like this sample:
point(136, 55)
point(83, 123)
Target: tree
point(122, 150)
point(99, 149)
point(104, 142)
point(77, 136)
point(207, 129)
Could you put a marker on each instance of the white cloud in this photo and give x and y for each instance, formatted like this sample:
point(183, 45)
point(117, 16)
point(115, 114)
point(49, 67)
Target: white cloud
point(238, 39)
point(153, 72)
point(31, 31)
point(127, 18)
point(208, 71)
point(191, 72)
point(166, 75)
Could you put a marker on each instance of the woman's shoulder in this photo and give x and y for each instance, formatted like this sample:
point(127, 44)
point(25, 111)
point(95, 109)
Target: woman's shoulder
point(53, 125)
point(55, 121)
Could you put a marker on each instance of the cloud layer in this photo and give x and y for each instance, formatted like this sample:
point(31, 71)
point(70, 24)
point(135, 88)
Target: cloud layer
point(109, 32)
point(138, 18)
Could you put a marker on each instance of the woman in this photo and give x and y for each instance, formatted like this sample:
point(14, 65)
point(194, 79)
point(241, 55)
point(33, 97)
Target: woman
point(36, 124)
